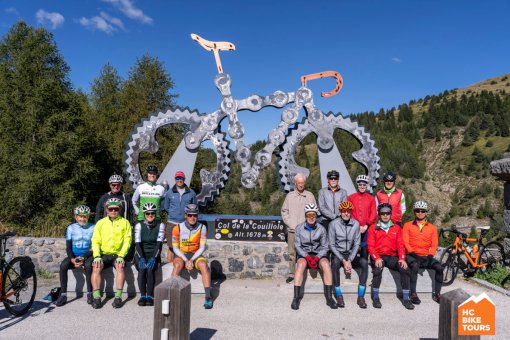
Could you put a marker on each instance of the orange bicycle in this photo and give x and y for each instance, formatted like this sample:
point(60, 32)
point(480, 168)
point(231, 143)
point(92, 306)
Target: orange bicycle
point(460, 255)
point(18, 282)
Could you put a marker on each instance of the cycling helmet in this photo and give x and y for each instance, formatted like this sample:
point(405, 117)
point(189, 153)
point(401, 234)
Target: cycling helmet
point(82, 210)
point(345, 205)
point(311, 208)
point(149, 206)
point(362, 178)
point(420, 205)
point(152, 168)
point(113, 202)
point(115, 179)
point(333, 174)
point(191, 209)
point(384, 207)
point(389, 177)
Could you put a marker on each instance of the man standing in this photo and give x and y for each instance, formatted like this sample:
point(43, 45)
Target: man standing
point(395, 197)
point(115, 182)
point(386, 249)
point(110, 244)
point(148, 192)
point(330, 197)
point(363, 210)
point(421, 240)
point(174, 203)
point(293, 214)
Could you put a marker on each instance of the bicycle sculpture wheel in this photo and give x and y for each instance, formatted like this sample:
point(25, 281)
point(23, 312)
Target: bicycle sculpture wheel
point(286, 136)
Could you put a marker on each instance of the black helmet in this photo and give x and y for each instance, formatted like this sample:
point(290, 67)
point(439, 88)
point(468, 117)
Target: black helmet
point(152, 168)
point(333, 174)
point(384, 207)
point(191, 209)
point(389, 177)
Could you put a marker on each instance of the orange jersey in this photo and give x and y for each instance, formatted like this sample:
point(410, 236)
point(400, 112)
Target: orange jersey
point(422, 242)
point(188, 240)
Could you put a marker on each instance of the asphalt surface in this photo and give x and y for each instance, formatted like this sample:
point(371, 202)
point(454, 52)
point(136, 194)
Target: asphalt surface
point(246, 309)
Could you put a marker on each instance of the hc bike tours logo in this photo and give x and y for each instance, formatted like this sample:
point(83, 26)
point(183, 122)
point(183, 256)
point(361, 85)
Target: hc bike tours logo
point(477, 316)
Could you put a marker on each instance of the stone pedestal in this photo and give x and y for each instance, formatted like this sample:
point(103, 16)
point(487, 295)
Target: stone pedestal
point(501, 169)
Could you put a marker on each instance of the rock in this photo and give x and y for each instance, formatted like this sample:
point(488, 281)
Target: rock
point(227, 249)
point(27, 242)
point(254, 262)
point(506, 220)
point(249, 274)
point(283, 271)
point(40, 242)
point(213, 254)
point(49, 242)
point(21, 250)
point(267, 272)
point(234, 265)
point(231, 276)
point(33, 250)
point(10, 241)
point(272, 258)
point(214, 246)
point(247, 250)
point(286, 256)
point(47, 257)
point(57, 255)
point(277, 250)
point(53, 268)
point(261, 249)
point(270, 266)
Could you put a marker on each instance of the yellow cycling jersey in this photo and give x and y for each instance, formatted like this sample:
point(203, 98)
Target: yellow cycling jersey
point(111, 237)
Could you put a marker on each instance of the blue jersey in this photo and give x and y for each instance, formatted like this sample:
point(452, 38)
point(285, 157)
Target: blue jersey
point(80, 237)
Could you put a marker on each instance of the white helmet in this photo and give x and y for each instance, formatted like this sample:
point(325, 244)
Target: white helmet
point(362, 178)
point(149, 206)
point(82, 210)
point(421, 205)
point(311, 208)
point(115, 179)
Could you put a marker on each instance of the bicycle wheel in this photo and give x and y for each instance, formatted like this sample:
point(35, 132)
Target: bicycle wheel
point(19, 286)
point(491, 254)
point(449, 261)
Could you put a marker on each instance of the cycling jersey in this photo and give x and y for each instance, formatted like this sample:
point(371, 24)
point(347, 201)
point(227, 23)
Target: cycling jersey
point(127, 205)
point(423, 241)
point(397, 200)
point(148, 238)
point(111, 237)
point(147, 193)
point(188, 239)
point(80, 238)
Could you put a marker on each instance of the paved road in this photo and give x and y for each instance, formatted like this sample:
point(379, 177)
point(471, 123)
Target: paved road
point(247, 309)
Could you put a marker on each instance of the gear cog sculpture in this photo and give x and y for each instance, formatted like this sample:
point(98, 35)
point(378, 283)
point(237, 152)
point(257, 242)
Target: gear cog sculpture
point(286, 136)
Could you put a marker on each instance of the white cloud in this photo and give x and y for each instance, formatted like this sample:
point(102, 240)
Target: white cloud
point(104, 22)
point(53, 18)
point(11, 10)
point(128, 8)
point(396, 60)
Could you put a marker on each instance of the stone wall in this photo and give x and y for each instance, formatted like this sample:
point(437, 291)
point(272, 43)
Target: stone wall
point(239, 259)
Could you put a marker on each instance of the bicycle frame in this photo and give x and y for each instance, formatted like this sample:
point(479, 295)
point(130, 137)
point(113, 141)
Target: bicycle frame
point(472, 259)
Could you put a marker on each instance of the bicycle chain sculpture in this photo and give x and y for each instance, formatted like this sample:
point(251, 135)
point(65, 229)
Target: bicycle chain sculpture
point(287, 135)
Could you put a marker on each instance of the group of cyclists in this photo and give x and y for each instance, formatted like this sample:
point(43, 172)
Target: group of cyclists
point(349, 232)
point(112, 241)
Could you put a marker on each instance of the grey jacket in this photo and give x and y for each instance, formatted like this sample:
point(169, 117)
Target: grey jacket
point(329, 201)
point(344, 238)
point(311, 241)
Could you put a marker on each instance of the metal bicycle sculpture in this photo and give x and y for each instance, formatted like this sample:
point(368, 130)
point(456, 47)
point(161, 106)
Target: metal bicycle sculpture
point(287, 136)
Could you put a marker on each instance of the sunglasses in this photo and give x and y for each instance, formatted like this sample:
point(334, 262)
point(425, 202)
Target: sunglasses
point(191, 215)
point(113, 209)
point(150, 213)
point(420, 211)
point(115, 185)
point(345, 211)
point(179, 178)
point(311, 215)
point(385, 213)
point(362, 184)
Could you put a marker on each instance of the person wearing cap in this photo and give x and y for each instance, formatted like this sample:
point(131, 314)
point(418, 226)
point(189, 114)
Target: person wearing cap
point(386, 249)
point(148, 192)
point(174, 202)
point(420, 241)
point(330, 197)
point(115, 181)
point(293, 215)
point(364, 210)
point(394, 196)
point(311, 243)
point(111, 241)
point(78, 241)
point(188, 241)
point(344, 241)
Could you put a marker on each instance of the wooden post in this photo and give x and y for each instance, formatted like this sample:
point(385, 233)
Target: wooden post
point(172, 296)
point(448, 315)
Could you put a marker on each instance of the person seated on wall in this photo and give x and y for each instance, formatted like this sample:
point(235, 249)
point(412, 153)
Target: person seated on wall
point(188, 241)
point(386, 249)
point(78, 241)
point(110, 244)
point(149, 236)
point(421, 240)
point(330, 197)
point(394, 196)
point(311, 243)
point(344, 241)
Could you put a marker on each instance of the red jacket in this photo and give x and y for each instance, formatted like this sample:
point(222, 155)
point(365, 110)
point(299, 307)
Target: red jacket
point(364, 210)
point(388, 243)
point(394, 201)
point(422, 242)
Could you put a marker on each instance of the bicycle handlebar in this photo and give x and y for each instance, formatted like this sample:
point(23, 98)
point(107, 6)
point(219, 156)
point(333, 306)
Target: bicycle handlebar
point(453, 230)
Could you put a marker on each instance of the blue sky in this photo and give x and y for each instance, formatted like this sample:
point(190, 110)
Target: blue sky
point(388, 52)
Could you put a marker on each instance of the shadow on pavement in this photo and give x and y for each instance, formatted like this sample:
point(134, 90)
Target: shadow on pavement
point(7, 319)
point(202, 334)
point(217, 278)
